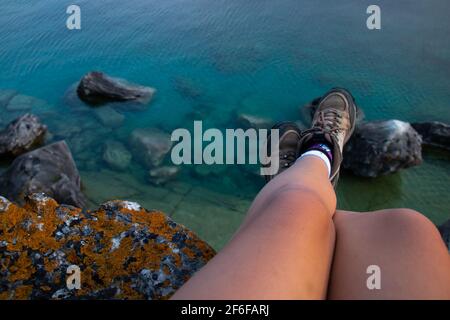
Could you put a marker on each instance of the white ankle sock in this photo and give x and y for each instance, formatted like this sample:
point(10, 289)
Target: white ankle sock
point(318, 154)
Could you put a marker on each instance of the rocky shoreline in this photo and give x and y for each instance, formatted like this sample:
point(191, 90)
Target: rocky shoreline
point(122, 250)
point(42, 172)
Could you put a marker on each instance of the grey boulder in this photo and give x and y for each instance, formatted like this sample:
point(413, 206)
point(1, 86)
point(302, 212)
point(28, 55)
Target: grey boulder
point(434, 133)
point(50, 170)
point(382, 147)
point(21, 135)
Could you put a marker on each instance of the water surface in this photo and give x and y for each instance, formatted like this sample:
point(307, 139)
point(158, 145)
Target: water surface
point(265, 57)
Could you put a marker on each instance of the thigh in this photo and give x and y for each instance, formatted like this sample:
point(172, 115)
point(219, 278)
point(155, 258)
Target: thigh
point(403, 245)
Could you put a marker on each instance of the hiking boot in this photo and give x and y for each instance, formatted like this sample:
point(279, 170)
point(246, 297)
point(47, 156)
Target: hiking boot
point(288, 146)
point(333, 123)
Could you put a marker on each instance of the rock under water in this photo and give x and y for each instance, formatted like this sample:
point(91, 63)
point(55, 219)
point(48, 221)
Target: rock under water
point(150, 145)
point(434, 133)
point(122, 250)
point(21, 135)
point(161, 175)
point(109, 117)
point(382, 147)
point(116, 155)
point(50, 169)
point(96, 88)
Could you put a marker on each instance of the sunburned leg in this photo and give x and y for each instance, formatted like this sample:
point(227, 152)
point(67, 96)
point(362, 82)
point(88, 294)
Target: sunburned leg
point(283, 250)
point(413, 260)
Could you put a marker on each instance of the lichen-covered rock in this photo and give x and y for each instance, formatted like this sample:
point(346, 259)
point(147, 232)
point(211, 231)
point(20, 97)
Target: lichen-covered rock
point(116, 155)
point(49, 169)
point(150, 145)
point(97, 88)
point(21, 135)
point(122, 251)
point(434, 133)
point(382, 147)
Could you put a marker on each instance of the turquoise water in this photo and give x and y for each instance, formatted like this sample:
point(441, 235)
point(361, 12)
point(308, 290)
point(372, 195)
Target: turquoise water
point(265, 57)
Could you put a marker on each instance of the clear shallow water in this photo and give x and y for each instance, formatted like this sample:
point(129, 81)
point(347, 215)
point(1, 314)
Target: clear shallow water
point(265, 57)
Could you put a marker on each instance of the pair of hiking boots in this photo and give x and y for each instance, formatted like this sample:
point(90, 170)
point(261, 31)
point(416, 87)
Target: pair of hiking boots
point(333, 124)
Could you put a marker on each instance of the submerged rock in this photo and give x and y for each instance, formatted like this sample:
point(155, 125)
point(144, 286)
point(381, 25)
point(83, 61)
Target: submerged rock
point(116, 155)
point(150, 145)
point(163, 174)
point(97, 88)
point(122, 250)
point(382, 147)
point(49, 169)
point(21, 135)
point(246, 121)
point(22, 102)
point(434, 133)
point(187, 88)
point(254, 111)
point(5, 96)
point(109, 117)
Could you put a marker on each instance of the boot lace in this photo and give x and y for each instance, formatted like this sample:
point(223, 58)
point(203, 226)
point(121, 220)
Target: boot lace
point(330, 121)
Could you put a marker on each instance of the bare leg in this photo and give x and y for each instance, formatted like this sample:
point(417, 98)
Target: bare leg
point(284, 248)
point(413, 260)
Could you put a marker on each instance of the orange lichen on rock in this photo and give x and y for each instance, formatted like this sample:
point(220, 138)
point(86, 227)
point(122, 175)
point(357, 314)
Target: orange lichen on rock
point(122, 250)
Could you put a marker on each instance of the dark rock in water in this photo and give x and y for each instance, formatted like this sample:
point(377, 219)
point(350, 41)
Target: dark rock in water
point(21, 135)
point(150, 145)
point(434, 133)
point(163, 174)
point(444, 229)
point(382, 147)
point(97, 88)
point(122, 250)
point(49, 169)
point(6, 96)
point(109, 117)
point(116, 155)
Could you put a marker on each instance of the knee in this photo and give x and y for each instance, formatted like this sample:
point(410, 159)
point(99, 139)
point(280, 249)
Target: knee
point(409, 222)
point(407, 217)
point(303, 196)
